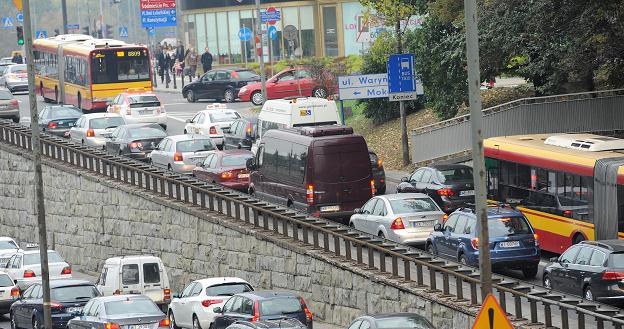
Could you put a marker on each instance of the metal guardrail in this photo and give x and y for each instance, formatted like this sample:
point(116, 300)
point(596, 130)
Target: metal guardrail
point(340, 241)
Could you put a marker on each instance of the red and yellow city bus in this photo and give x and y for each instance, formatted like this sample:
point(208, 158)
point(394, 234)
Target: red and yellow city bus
point(86, 72)
point(569, 186)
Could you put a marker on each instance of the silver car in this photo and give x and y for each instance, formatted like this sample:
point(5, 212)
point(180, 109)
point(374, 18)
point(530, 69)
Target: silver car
point(406, 218)
point(92, 129)
point(181, 153)
point(15, 78)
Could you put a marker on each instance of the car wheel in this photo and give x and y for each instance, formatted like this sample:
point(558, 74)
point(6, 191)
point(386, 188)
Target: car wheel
point(530, 272)
point(547, 282)
point(319, 92)
point(196, 324)
point(257, 98)
point(462, 260)
point(381, 235)
point(56, 99)
point(172, 323)
point(588, 294)
point(228, 96)
point(430, 249)
point(169, 168)
point(190, 97)
point(13, 322)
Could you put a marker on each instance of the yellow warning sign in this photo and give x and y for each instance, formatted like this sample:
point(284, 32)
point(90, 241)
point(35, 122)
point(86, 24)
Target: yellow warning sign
point(491, 316)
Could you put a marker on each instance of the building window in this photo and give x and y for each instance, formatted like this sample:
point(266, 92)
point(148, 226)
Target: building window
point(211, 33)
point(306, 14)
point(201, 33)
point(192, 32)
point(235, 43)
point(330, 31)
point(290, 16)
point(222, 37)
point(247, 21)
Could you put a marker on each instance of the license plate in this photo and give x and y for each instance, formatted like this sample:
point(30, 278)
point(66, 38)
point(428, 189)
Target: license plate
point(1, 293)
point(428, 223)
point(141, 326)
point(240, 176)
point(330, 208)
point(3, 107)
point(466, 193)
point(146, 112)
point(509, 244)
point(74, 309)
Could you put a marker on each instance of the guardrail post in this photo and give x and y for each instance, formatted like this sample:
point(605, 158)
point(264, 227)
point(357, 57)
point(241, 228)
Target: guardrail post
point(285, 227)
point(132, 178)
point(336, 245)
point(275, 225)
point(220, 204)
point(473, 293)
point(228, 205)
point(445, 283)
point(459, 283)
point(433, 284)
point(186, 195)
point(547, 315)
point(265, 221)
point(315, 238)
point(358, 249)
point(371, 258)
point(420, 280)
point(347, 245)
point(295, 231)
point(564, 318)
point(395, 266)
point(407, 270)
point(382, 261)
point(518, 302)
point(326, 241)
point(237, 212)
point(305, 233)
point(178, 194)
point(501, 300)
point(581, 320)
point(533, 306)
point(202, 200)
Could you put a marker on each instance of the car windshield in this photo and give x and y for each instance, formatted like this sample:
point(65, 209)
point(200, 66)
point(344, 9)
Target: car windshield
point(63, 112)
point(404, 206)
point(146, 132)
point(143, 101)
point(245, 75)
point(403, 322)
point(508, 226)
point(227, 289)
point(280, 305)
point(195, 145)
point(5, 280)
point(223, 116)
point(8, 244)
point(73, 293)
point(235, 160)
point(131, 306)
point(103, 123)
point(454, 174)
point(33, 259)
point(5, 94)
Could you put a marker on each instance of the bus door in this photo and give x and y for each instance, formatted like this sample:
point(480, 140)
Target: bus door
point(61, 74)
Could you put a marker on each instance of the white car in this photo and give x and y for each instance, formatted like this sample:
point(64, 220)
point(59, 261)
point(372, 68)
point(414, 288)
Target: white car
point(181, 153)
point(210, 122)
point(194, 307)
point(8, 292)
point(25, 266)
point(93, 128)
point(8, 247)
point(139, 106)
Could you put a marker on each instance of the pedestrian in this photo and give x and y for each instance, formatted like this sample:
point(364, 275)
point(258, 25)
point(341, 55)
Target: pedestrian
point(190, 62)
point(180, 54)
point(163, 64)
point(17, 58)
point(172, 61)
point(206, 60)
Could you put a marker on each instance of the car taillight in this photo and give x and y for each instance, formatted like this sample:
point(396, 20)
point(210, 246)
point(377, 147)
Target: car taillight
point(475, 243)
point(373, 189)
point(177, 156)
point(397, 224)
point(135, 145)
point(90, 133)
point(249, 129)
point(52, 125)
point(66, 270)
point(56, 305)
point(379, 163)
point(111, 325)
point(444, 218)
point(208, 302)
point(227, 175)
point(164, 323)
point(446, 192)
point(256, 313)
point(29, 274)
point(567, 213)
point(213, 130)
point(310, 194)
point(13, 102)
point(612, 275)
point(15, 293)
point(167, 293)
point(305, 309)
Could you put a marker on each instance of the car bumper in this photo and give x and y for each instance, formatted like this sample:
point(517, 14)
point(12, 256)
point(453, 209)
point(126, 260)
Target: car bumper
point(160, 119)
point(239, 186)
point(508, 262)
point(141, 156)
point(12, 113)
point(95, 142)
point(409, 238)
point(5, 305)
point(17, 85)
point(183, 168)
point(58, 132)
point(244, 97)
point(450, 205)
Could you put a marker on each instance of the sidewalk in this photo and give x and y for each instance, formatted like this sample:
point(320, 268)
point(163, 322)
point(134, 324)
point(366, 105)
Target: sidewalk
point(162, 87)
point(394, 176)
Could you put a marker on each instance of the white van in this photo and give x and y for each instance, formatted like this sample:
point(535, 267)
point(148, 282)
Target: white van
point(296, 112)
point(136, 275)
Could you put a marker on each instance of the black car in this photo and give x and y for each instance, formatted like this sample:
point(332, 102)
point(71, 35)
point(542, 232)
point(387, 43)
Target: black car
point(262, 305)
point(450, 186)
point(58, 119)
point(391, 320)
point(592, 269)
point(268, 324)
point(379, 174)
point(241, 134)
point(219, 84)
point(135, 140)
point(67, 299)
point(120, 311)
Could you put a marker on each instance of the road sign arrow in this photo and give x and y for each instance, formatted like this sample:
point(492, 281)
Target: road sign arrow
point(356, 93)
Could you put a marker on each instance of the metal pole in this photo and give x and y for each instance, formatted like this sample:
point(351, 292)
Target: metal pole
point(261, 57)
point(102, 27)
point(64, 9)
point(476, 121)
point(36, 146)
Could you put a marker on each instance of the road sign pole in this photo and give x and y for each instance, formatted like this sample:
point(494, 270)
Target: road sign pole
point(261, 57)
point(342, 116)
point(476, 121)
point(38, 181)
point(64, 10)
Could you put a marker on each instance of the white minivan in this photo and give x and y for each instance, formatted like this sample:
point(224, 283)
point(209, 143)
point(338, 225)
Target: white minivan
point(296, 112)
point(142, 274)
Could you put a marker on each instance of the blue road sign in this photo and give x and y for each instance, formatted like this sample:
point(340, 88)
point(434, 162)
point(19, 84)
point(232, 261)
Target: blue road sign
point(244, 34)
point(363, 86)
point(20, 17)
point(158, 18)
point(123, 32)
point(41, 34)
point(73, 26)
point(402, 81)
point(7, 22)
point(272, 32)
point(270, 16)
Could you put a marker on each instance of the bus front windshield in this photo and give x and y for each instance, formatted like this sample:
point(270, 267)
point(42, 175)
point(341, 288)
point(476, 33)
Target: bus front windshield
point(120, 65)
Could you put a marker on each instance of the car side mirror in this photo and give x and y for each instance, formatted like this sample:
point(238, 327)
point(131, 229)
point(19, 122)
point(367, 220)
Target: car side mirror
point(226, 130)
point(404, 179)
point(189, 120)
point(176, 295)
point(251, 164)
point(438, 227)
point(554, 259)
point(217, 310)
point(357, 211)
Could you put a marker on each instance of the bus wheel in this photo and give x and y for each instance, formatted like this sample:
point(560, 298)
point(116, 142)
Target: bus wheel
point(79, 101)
point(56, 95)
point(578, 237)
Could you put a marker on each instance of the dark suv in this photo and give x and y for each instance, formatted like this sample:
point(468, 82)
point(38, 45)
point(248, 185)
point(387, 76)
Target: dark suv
point(593, 269)
point(513, 242)
point(450, 186)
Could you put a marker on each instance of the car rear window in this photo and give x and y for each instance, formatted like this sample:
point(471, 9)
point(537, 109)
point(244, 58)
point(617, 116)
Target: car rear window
point(131, 306)
point(280, 306)
point(63, 112)
point(5, 280)
point(151, 273)
point(4, 94)
point(73, 293)
point(103, 123)
point(616, 260)
point(455, 174)
point(413, 205)
point(223, 117)
point(195, 145)
point(8, 245)
point(403, 322)
point(228, 289)
point(130, 274)
point(143, 101)
point(146, 132)
point(508, 226)
point(33, 259)
point(235, 160)
point(244, 75)
point(18, 69)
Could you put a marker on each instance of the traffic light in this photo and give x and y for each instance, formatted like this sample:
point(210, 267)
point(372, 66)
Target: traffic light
point(86, 30)
point(20, 35)
point(109, 31)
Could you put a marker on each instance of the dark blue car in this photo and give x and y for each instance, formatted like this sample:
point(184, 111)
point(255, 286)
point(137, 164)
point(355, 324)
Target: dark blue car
point(262, 305)
point(66, 296)
point(513, 242)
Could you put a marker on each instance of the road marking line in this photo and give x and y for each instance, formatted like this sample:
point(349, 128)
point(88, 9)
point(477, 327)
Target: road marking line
point(176, 104)
point(176, 119)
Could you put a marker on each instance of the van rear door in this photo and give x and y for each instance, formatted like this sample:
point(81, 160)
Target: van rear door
point(152, 280)
point(130, 278)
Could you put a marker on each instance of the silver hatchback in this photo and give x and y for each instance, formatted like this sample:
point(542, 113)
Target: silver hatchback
point(406, 218)
point(92, 129)
point(181, 153)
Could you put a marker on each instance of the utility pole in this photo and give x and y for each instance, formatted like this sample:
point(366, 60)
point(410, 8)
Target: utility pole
point(478, 165)
point(261, 57)
point(64, 9)
point(403, 115)
point(36, 147)
point(102, 27)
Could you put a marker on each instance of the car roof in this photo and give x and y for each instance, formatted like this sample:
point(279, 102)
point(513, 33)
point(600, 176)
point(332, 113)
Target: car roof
point(178, 138)
point(267, 294)
point(131, 257)
point(139, 125)
point(449, 166)
point(113, 298)
point(402, 196)
point(69, 106)
point(33, 251)
point(235, 152)
point(219, 111)
point(220, 280)
point(89, 116)
point(613, 245)
point(6, 238)
point(493, 212)
point(393, 315)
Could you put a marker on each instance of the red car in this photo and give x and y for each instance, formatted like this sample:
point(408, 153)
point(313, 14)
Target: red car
point(227, 168)
point(289, 83)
